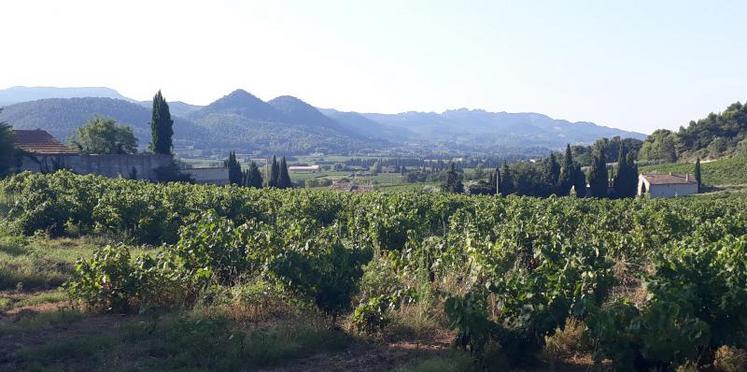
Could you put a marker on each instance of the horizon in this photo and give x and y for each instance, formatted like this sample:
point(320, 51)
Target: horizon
point(667, 64)
point(320, 108)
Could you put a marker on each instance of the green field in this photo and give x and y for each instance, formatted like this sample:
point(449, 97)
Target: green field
point(730, 171)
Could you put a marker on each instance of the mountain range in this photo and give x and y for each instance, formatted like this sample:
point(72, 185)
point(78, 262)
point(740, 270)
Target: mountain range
point(241, 121)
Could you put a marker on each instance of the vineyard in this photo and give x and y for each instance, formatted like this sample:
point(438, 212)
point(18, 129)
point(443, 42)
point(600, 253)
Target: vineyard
point(648, 284)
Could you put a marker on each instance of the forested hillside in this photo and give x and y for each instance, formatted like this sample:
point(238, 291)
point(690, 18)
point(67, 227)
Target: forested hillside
point(711, 137)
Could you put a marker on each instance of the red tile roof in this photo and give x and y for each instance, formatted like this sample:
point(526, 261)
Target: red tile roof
point(669, 179)
point(38, 141)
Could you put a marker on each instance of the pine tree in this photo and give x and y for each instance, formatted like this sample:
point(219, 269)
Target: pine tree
point(598, 176)
point(234, 169)
point(253, 177)
point(453, 181)
point(507, 182)
point(567, 177)
point(698, 176)
point(284, 181)
point(161, 126)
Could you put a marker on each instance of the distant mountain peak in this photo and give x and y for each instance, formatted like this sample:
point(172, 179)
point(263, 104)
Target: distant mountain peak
point(237, 97)
point(240, 102)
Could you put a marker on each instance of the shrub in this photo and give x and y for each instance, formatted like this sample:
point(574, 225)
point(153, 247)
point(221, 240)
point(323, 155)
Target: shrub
point(110, 281)
point(324, 270)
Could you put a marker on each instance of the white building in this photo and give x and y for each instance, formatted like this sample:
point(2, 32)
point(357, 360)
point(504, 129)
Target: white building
point(666, 185)
point(303, 168)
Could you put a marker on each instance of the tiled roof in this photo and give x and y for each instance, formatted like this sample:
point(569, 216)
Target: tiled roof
point(668, 179)
point(38, 141)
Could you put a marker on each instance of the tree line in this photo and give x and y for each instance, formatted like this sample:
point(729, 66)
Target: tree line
point(277, 175)
point(557, 175)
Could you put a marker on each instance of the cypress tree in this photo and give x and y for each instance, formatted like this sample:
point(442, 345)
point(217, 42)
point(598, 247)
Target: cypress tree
point(497, 180)
point(253, 177)
point(696, 171)
point(551, 173)
point(284, 181)
point(272, 178)
point(453, 181)
point(234, 169)
point(633, 169)
point(579, 181)
point(626, 178)
point(567, 177)
point(507, 181)
point(598, 176)
point(161, 126)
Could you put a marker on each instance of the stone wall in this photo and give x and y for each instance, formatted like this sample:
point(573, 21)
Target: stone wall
point(140, 166)
point(214, 176)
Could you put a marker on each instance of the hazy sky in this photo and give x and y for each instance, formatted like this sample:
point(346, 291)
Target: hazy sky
point(637, 65)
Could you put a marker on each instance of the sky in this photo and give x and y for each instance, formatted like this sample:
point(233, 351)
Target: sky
point(636, 65)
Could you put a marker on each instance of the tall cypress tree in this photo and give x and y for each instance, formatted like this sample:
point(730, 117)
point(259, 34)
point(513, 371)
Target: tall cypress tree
point(626, 178)
point(272, 178)
point(551, 173)
point(284, 181)
point(579, 181)
point(161, 126)
point(507, 181)
point(598, 176)
point(497, 180)
point(234, 169)
point(252, 176)
point(453, 181)
point(567, 176)
point(633, 169)
point(698, 176)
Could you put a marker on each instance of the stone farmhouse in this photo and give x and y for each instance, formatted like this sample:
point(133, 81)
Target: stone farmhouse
point(666, 185)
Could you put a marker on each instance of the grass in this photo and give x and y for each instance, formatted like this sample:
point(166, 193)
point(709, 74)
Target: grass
point(37, 321)
point(182, 342)
point(454, 361)
point(722, 172)
point(37, 263)
point(11, 299)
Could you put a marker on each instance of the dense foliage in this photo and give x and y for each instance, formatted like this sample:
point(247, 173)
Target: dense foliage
point(711, 137)
point(507, 271)
point(101, 135)
point(235, 176)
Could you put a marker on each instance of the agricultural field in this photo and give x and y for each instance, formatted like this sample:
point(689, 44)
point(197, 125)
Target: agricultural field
point(109, 273)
